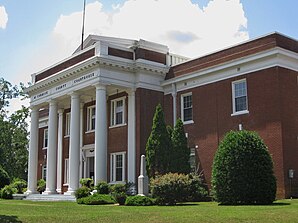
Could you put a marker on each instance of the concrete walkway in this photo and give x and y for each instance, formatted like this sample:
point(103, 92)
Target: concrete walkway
point(52, 197)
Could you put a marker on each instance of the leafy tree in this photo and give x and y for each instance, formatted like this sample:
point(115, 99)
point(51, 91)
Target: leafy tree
point(4, 178)
point(243, 170)
point(179, 156)
point(13, 132)
point(158, 145)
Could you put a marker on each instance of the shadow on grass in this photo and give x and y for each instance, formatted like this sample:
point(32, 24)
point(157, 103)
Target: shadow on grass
point(185, 204)
point(273, 204)
point(9, 219)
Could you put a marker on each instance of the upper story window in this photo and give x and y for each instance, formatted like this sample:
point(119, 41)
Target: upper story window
point(67, 124)
point(91, 118)
point(239, 92)
point(186, 108)
point(118, 167)
point(45, 138)
point(117, 111)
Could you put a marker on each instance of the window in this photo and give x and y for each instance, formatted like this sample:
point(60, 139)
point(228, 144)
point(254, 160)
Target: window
point(118, 167)
point(44, 172)
point(239, 92)
point(45, 138)
point(66, 171)
point(186, 108)
point(91, 118)
point(192, 160)
point(67, 124)
point(117, 111)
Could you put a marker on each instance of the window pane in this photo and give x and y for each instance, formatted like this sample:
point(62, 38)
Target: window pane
point(113, 113)
point(45, 138)
point(119, 117)
point(240, 104)
point(119, 166)
point(187, 108)
point(187, 114)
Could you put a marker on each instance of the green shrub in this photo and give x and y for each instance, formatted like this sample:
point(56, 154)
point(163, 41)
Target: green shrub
point(7, 192)
point(120, 197)
point(19, 185)
point(4, 178)
point(82, 192)
point(139, 201)
point(96, 199)
point(87, 182)
point(243, 170)
point(197, 190)
point(102, 187)
point(118, 188)
point(41, 185)
point(170, 188)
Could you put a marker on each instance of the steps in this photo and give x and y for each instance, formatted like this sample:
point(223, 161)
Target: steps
point(52, 197)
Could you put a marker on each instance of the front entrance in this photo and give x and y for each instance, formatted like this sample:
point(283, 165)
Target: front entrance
point(90, 167)
point(87, 169)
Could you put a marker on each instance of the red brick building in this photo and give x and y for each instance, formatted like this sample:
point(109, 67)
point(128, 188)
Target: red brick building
point(92, 113)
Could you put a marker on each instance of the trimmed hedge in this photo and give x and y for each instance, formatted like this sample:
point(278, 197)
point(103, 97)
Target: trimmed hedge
point(41, 185)
point(7, 192)
point(4, 178)
point(96, 199)
point(139, 201)
point(87, 182)
point(172, 188)
point(243, 170)
point(20, 185)
point(103, 187)
point(82, 192)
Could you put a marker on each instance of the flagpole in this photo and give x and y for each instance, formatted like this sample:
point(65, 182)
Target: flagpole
point(83, 26)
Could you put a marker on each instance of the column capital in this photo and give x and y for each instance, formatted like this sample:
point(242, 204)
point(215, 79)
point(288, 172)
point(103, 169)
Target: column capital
point(60, 110)
point(100, 86)
point(34, 108)
point(131, 91)
point(74, 94)
point(52, 102)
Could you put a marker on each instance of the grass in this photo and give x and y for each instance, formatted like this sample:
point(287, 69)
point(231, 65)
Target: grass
point(205, 212)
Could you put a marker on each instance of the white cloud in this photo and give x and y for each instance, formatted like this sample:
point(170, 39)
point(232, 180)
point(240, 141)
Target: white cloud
point(3, 17)
point(185, 27)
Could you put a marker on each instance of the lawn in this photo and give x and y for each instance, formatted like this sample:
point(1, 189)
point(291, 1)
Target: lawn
point(28, 211)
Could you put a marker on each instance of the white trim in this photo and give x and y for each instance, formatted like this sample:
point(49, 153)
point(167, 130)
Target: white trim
point(234, 112)
point(67, 125)
point(113, 112)
point(90, 118)
point(116, 126)
point(66, 171)
point(182, 108)
point(249, 64)
point(44, 139)
point(113, 167)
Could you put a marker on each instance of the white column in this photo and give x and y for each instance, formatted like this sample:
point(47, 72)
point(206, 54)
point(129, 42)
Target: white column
point(174, 95)
point(74, 149)
point(131, 150)
point(81, 140)
point(100, 164)
point(33, 152)
point(59, 154)
point(52, 149)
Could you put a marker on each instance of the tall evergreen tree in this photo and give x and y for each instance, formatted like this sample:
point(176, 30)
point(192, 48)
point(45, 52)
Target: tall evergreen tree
point(158, 145)
point(179, 156)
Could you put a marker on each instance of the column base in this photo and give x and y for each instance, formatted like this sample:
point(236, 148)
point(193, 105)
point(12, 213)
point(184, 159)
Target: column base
point(28, 192)
point(59, 191)
point(48, 192)
point(70, 192)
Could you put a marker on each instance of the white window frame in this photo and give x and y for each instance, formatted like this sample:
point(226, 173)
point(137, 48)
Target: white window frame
point(66, 171)
point(44, 172)
point(182, 108)
point(45, 133)
point(113, 167)
point(113, 112)
point(67, 124)
point(234, 98)
point(90, 117)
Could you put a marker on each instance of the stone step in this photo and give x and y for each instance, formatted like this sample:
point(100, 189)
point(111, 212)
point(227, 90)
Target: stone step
point(52, 197)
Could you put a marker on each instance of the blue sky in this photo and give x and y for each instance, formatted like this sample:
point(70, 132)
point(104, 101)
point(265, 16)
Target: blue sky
point(28, 34)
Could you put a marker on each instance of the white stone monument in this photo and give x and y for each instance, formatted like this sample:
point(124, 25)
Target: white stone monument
point(143, 182)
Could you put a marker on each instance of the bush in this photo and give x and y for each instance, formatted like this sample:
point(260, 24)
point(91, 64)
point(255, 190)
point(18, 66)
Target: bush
point(139, 201)
point(96, 199)
point(197, 190)
point(82, 192)
point(4, 178)
point(19, 185)
point(102, 187)
point(87, 182)
point(170, 188)
point(120, 197)
point(7, 192)
point(41, 185)
point(118, 188)
point(243, 170)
